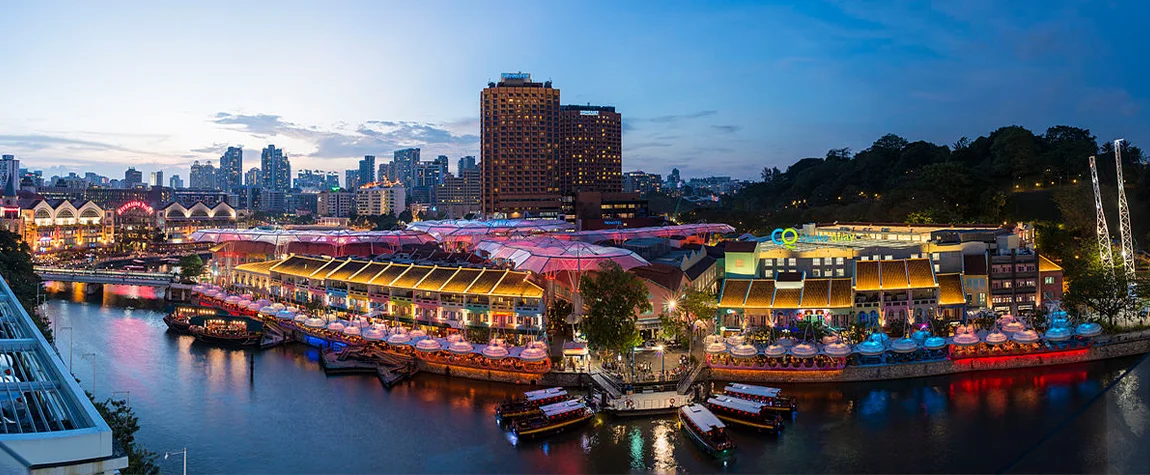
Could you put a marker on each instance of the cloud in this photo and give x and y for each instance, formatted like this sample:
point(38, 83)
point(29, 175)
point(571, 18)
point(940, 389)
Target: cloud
point(260, 125)
point(727, 129)
point(40, 142)
point(213, 148)
point(665, 119)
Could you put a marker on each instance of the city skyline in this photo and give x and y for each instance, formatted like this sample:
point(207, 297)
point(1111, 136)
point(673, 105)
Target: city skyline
point(797, 82)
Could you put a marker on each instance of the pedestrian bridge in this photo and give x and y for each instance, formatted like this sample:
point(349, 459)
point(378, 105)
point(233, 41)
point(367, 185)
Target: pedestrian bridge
point(87, 276)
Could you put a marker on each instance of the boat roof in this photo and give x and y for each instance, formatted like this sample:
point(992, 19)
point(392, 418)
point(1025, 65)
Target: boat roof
point(544, 393)
point(562, 407)
point(753, 390)
point(736, 403)
point(701, 417)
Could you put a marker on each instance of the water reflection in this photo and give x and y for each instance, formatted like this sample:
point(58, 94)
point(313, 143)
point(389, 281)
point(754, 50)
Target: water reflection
point(226, 405)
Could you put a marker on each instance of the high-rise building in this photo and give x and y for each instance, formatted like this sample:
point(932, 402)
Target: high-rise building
point(176, 183)
point(9, 175)
point(317, 179)
point(465, 163)
point(333, 203)
point(673, 180)
point(641, 182)
point(275, 169)
point(387, 172)
point(459, 196)
point(590, 149)
point(441, 162)
point(231, 169)
point(253, 177)
point(133, 178)
point(351, 179)
point(520, 147)
point(203, 176)
point(381, 199)
point(367, 169)
point(404, 166)
point(156, 178)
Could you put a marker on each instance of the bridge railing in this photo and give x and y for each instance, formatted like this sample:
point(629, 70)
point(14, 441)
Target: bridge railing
point(127, 275)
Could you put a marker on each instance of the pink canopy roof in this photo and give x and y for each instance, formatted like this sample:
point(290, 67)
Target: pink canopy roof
point(624, 234)
point(334, 238)
point(469, 231)
point(547, 255)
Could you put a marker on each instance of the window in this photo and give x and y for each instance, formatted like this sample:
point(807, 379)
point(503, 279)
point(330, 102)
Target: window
point(1048, 280)
point(791, 262)
point(839, 272)
point(816, 262)
point(838, 261)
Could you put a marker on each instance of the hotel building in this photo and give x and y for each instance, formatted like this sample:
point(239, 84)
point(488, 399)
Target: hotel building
point(520, 148)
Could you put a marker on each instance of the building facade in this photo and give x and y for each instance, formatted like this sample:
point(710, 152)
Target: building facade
point(460, 195)
point(333, 203)
point(55, 225)
point(367, 169)
point(203, 176)
point(230, 174)
point(275, 169)
point(590, 149)
point(380, 198)
point(520, 148)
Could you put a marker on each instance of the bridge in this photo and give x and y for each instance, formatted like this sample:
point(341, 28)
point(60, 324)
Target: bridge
point(152, 279)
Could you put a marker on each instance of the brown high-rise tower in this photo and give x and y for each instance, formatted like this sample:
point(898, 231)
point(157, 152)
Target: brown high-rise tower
point(520, 154)
point(590, 149)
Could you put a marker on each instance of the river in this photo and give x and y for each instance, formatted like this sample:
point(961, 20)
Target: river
point(275, 411)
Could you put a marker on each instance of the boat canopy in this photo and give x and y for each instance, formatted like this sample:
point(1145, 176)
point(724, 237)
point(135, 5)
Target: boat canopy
point(552, 410)
point(752, 390)
point(737, 404)
point(544, 393)
point(702, 418)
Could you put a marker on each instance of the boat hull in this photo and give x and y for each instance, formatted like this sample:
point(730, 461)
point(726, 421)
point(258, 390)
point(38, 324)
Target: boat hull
point(181, 327)
point(553, 428)
point(702, 441)
point(751, 424)
point(238, 342)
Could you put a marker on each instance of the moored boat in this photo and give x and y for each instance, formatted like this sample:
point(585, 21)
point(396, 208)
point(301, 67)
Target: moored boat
point(706, 430)
point(178, 320)
point(772, 398)
point(530, 403)
point(226, 330)
point(745, 412)
point(554, 418)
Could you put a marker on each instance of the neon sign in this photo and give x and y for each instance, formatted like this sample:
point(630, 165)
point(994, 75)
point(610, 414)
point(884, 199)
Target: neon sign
point(790, 236)
point(134, 204)
point(526, 76)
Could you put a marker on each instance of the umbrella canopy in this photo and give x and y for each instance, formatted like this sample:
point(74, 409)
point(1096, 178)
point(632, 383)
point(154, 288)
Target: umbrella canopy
point(495, 351)
point(1025, 336)
point(716, 348)
point(269, 310)
point(374, 333)
point(471, 231)
point(548, 255)
point(314, 322)
point(428, 344)
point(804, 350)
point(1089, 329)
point(461, 346)
point(533, 354)
point(336, 238)
point(870, 348)
point(398, 338)
point(904, 345)
point(934, 343)
point(744, 350)
point(774, 350)
point(285, 315)
point(837, 349)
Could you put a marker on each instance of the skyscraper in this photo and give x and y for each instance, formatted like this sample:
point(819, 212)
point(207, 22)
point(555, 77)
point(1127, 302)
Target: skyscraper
point(133, 178)
point(253, 177)
point(520, 147)
point(367, 169)
point(275, 169)
point(202, 176)
point(175, 182)
point(156, 178)
point(351, 179)
point(441, 162)
point(465, 163)
point(405, 165)
point(9, 175)
point(231, 169)
point(590, 149)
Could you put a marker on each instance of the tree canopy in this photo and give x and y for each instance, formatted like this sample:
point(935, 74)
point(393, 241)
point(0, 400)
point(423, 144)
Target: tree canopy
point(191, 266)
point(612, 298)
point(16, 268)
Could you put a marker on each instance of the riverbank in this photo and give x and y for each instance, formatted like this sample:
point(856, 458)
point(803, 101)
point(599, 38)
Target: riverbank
point(1104, 348)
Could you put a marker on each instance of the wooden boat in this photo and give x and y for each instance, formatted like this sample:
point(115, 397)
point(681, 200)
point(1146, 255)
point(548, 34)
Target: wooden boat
point(706, 430)
point(771, 397)
point(745, 412)
point(554, 418)
point(178, 318)
point(226, 330)
point(530, 403)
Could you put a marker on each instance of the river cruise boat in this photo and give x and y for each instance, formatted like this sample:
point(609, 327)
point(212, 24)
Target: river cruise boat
point(706, 430)
point(771, 397)
point(554, 418)
point(755, 415)
point(227, 330)
point(529, 404)
point(178, 318)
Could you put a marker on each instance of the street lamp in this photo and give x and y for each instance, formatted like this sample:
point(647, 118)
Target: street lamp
point(91, 357)
point(181, 451)
point(662, 362)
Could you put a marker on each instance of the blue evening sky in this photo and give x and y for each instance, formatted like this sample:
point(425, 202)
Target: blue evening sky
point(719, 88)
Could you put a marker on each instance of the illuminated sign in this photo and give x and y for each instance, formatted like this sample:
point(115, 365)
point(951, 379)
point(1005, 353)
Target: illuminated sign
point(789, 236)
point(588, 112)
point(524, 76)
point(134, 204)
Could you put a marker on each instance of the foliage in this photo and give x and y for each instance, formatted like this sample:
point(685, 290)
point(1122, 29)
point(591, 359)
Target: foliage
point(1103, 294)
point(612, 297)
point(478, 334)
point(191, 266)
point(383, 222)
point(699, 305)
point(16, 268)
point(674, 329)
point(124, 423)
point(557, 314)
point(760, 334)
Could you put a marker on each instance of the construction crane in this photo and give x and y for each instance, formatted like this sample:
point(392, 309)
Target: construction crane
point(1128, 259)
point(1105, 251)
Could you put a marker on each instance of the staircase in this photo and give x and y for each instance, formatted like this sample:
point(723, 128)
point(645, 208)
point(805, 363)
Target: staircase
point(685, 383)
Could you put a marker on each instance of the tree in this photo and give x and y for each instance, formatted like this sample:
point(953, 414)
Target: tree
point(124, 424)
point(613, 297)
point(698, 305)
point(1104, 293)
point(674, 329)
point(557, 314)
point(191, 266)
point(16, 268)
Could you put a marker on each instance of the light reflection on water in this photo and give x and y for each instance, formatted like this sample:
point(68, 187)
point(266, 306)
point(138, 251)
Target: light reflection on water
point(226, 405)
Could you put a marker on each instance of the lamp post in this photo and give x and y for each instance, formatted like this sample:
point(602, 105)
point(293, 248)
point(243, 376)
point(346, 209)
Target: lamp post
point(91, 357)
point(183, 451)
point(662, 363)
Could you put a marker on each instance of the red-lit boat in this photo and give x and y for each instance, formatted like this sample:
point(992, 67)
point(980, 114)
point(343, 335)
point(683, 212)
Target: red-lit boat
point(771, 397)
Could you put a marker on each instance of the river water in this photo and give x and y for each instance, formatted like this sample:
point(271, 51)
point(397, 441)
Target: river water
point(275, 411)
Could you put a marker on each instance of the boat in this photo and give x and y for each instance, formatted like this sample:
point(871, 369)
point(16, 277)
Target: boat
point(771, 397)
point(529, 403)
point(706, 430)
point(178, 322)
point(553, 418)
point(745, 412)
point(227, 330)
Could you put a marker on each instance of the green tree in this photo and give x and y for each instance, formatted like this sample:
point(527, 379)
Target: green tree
point(1104, 294)
point(698, 305)
point(124, 423)
point(557, 314)
point(613, 297)
point(674, 328)
point(16, 268)
point(191, 266)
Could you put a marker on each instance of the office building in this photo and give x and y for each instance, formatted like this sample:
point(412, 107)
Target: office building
point(380, 199)
point(316, 180)
point(156, 178)
point(231, 169)
point(133, 178)
point(9, 175)
point(334, 203)
point(460, 195)
point(590, 149)
point(520, 147)
point(351, 179)
point(203, 176)
point(404, 166)
point(641, 182)
point(275, 169)
point(367, 169)
point(466, 163)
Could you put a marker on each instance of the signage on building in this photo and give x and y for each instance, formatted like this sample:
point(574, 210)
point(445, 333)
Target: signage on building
point(588, 112)
point(525, 76)
point(134, 204)
point(790, 236)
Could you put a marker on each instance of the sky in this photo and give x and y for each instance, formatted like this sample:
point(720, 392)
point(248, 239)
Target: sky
point(712, 88)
